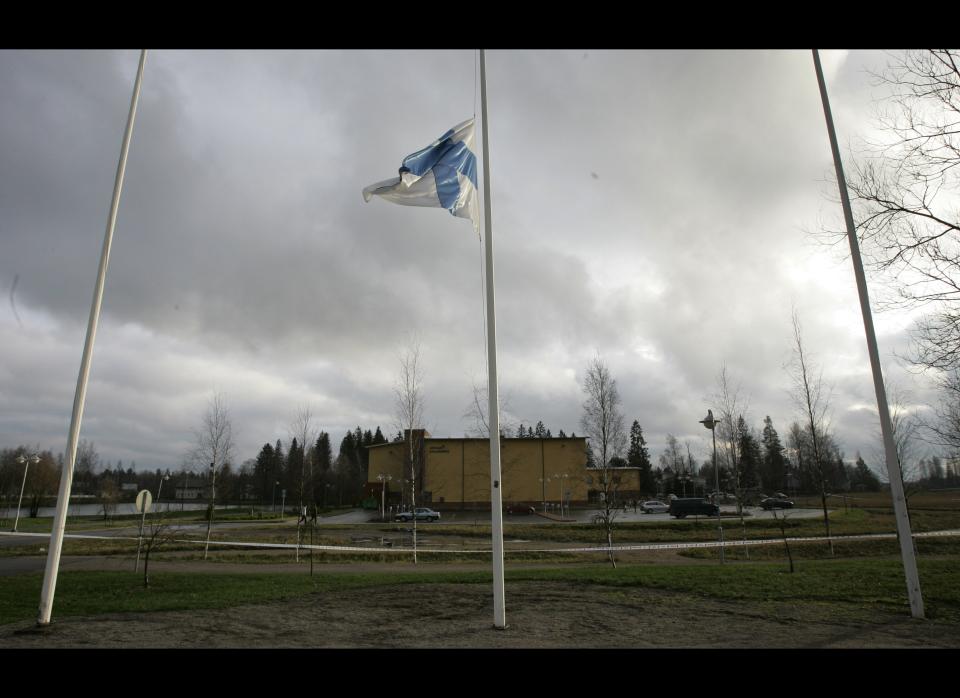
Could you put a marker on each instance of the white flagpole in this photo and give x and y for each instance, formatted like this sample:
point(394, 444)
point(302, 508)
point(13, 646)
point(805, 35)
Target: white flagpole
point(496, 500)
point(66, 477)
point(893, 463)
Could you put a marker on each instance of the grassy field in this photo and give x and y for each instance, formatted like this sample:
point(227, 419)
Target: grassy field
point(848, 584)
point(876, 518)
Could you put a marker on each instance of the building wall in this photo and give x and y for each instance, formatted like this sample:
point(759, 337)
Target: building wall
point(457, 471)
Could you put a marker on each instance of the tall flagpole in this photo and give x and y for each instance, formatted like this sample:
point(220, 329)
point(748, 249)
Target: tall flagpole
point(66, 477)
point(893, 463)
point(496, 499)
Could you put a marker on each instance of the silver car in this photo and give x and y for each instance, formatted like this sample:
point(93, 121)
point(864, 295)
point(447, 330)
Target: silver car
point(422, 514)
point(654, 507)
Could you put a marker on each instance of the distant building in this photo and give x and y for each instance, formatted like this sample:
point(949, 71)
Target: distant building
point(454, 473)
point(190, 492)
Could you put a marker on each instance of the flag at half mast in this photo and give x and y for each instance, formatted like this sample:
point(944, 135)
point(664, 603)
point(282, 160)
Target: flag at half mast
point(442, 175)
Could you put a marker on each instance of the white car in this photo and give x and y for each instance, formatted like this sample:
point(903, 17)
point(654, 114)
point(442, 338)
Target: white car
point(422, 514)
point(654, 507)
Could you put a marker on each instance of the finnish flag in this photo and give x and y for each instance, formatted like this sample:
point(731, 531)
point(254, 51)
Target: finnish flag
point(443, 175)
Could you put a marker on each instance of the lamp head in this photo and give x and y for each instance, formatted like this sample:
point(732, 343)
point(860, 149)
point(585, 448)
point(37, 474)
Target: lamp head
point(709, 422)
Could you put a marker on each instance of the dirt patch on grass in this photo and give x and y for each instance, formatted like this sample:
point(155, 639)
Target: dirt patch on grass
point(539, 614)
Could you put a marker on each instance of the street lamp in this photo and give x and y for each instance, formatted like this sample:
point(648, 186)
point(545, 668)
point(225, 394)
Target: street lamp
point(710, 423)
point(160, 488)
point(273, 498)
point(543, 492)
point(26, 464)
point(384, 479)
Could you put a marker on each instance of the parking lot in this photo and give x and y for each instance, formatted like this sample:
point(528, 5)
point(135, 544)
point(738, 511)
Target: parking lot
point(577, 516)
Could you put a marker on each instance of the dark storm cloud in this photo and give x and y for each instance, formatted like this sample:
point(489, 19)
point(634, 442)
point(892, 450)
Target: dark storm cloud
point(649, 206)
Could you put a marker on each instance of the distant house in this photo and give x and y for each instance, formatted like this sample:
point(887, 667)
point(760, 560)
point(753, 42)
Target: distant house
point(190, 492)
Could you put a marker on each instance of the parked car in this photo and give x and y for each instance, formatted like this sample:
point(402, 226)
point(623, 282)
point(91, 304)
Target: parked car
point(422, 514)
point(654, 507)
point(520, 508)
point(776, 503)
point(684, 507)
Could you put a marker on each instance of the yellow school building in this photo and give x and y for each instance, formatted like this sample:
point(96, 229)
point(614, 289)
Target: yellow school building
point(455, 472)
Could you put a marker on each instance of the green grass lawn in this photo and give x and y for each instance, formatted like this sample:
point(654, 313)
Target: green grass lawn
point(848, 584)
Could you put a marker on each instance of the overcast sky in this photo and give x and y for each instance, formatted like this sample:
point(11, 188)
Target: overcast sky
point(654, 207)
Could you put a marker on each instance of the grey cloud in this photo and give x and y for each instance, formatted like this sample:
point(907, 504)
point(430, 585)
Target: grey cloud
point(247, 261)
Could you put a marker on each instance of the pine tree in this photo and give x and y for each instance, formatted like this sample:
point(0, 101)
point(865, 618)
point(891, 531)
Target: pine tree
point(324, 461)
point(639, 457)
point(866, 477)
point(773, 471)
point(561, 435)
point(263, 472)
point(540, 432)
point(750, 459)
point(279, 467)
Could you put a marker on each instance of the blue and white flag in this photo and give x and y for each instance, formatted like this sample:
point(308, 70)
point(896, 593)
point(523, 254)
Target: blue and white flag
point(444, 175)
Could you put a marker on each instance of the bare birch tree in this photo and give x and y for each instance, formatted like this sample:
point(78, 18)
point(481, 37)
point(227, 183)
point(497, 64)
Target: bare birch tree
point(904, 190)
point(302, 430)
point(906, 426)
point(731, 406)
point(603, 423)
point(944, 428)
point(476, 412)
point(813, 400)
point(214, 446)
point(409, 406)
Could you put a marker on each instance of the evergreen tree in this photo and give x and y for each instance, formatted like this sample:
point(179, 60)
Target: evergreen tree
point(750, 459)
point(351, 466)
point(378, 437)
point(364, 453)
point(864, 479)
point(639, 457)
point(540, 432)
point(324, 461)
point(295, 473)
point(521, 432)
point(773, 471)
point(263, 473)
point(561, 435)
point(841, 480)
point(591, 461)
point(279, 467)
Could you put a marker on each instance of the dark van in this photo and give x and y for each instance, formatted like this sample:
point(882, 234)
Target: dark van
point(684, 507)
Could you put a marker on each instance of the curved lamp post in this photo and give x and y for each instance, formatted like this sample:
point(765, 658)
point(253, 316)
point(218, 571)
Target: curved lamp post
point(160, 488)
point(710, 423)
point(26, 464)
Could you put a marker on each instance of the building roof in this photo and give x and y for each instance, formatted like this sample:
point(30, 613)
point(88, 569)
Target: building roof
point(485, 439)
